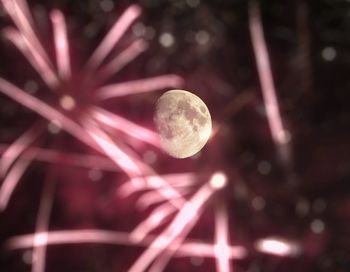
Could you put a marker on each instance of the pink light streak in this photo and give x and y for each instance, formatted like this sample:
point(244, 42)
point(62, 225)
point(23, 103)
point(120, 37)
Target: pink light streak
point(181, 224)
point(114, 35)
point(123, 125)
point(11, 180)
point(34, 52)
point(42, 226)
point(43, 109)
point(189, 248)
point(13, 152)
point(124, 58)
point(222, 248)
point(279, 133)
point(138, 86)
point(66, 158)
point(61, 44)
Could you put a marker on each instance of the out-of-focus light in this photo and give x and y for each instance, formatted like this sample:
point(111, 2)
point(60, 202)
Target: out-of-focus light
point(317, 226)
point(166, 39)
point(107, 5)
point(193, 3)
point(264, 167)
point(202, 37)
point(258, 203)
point(218, 180)
point(67, 102)
point(329, 53)
point(277, 247)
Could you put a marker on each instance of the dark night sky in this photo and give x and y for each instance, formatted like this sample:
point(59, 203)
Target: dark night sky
point(307, 200)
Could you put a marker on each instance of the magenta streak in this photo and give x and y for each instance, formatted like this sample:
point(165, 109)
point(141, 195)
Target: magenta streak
point(65, 158)
point(19, 16)
point(44, 110)
point(138, 86)
point(124, 58)
point(23, 46)
point(11, 180)
point(190, 248)
point(152, 197)
point(117, 154)
point(42, 226)
point(125, 126)
point(114, 35)
point(61, 44)
point(181, 224)
point(154, 220)
point(265, 74)
point(222, 247)
point(13, 152)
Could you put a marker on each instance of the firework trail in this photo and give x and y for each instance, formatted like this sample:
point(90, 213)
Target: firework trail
point(177, 197)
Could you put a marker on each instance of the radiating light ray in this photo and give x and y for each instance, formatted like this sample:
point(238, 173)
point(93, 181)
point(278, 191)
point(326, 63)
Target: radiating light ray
point(174, 180)
point(222, 241)
point(217, 181)
point(11, 180)
point(279, 133)
point(113, 36)
point(44, 110)
point(188, 248)
point(66, 158)
point(117, 122)
point(153, 197)
point(120, 156)
point(13, 152)
point(130, 164)
point(61, 44)
point(181, 224)
point(42, 227)
point(21, 43)
point(277, 246)
point(19, 15)
point(154, 220)
point(138, 86)
point(121, 60)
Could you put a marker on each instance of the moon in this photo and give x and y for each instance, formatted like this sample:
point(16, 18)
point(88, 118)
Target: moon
point(183, 122)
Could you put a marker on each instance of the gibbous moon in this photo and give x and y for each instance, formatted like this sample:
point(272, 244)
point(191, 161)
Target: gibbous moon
point(183, 122)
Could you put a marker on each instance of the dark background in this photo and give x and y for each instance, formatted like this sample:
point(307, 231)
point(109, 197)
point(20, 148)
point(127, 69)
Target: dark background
point(308, 44)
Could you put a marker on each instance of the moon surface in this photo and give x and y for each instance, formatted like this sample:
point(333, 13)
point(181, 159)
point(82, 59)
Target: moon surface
point(183, 122)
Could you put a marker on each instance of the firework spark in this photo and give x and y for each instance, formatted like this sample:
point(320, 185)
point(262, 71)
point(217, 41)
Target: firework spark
point(176, 197)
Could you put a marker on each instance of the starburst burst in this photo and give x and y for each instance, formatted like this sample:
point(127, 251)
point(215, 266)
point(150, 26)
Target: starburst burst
point(177, 200)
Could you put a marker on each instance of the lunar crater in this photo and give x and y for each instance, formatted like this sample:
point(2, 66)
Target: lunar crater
point(183, 122)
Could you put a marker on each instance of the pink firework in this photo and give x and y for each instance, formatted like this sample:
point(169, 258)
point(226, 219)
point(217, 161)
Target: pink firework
point(176, 200)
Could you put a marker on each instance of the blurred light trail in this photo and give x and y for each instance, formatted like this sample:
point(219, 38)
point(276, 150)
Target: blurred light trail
point(13, 152)
point(125, 126)
point(279, 134)
point(42, 225)
point(95, 236)
point(175, 180)
point(113, 36)
point(177, 229)
point(222, 240)
point(121, 60)
point(61, 44)
point(138, 86)
point(29, 43)
point(276, 246)
point(9, 183)
point(65, 158)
